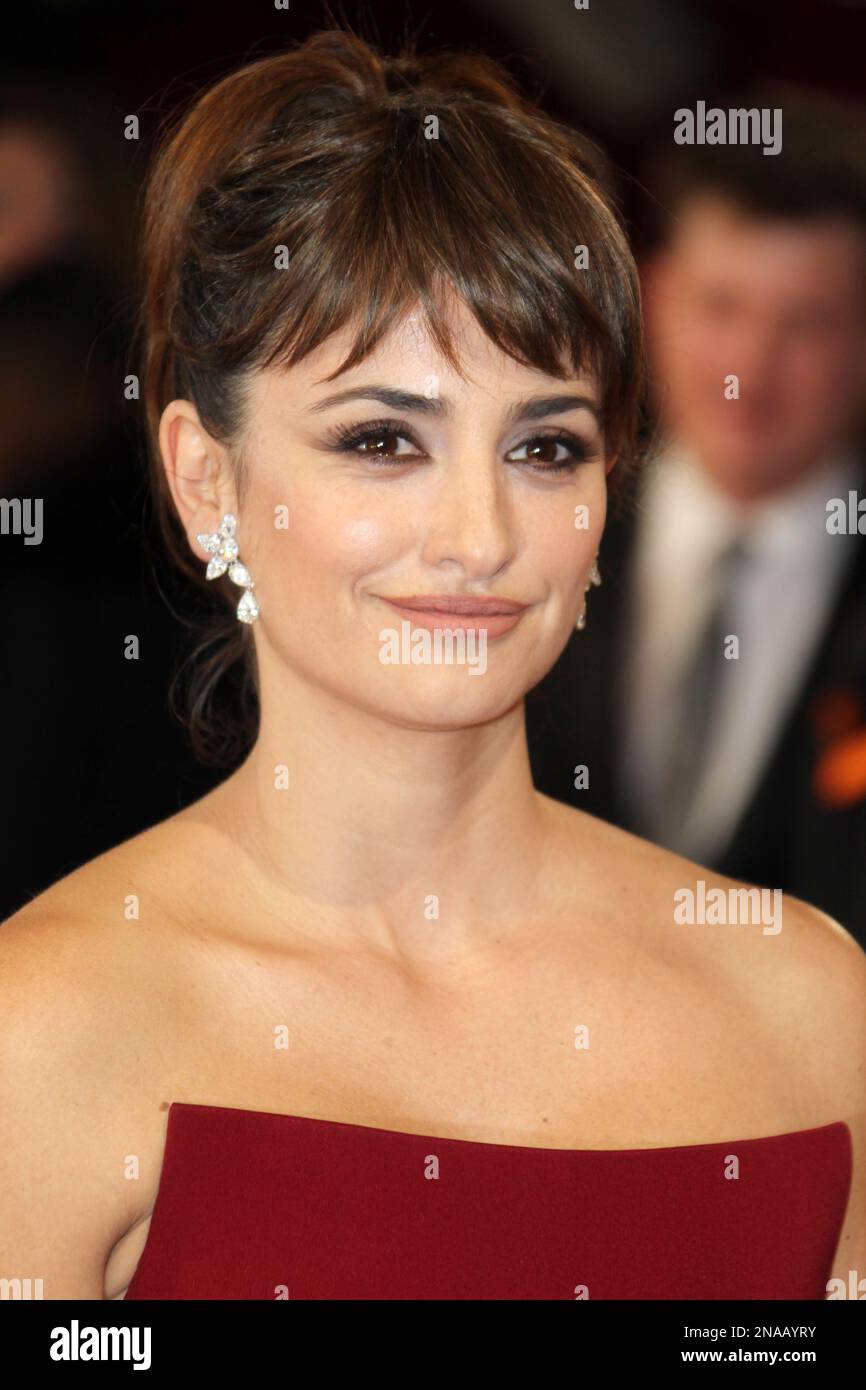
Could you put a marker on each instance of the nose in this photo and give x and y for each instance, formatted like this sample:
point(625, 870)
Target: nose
point(470, 518)
point(757, 353)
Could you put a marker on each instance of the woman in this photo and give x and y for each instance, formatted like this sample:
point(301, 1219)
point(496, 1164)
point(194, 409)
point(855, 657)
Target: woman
point(374, 1019)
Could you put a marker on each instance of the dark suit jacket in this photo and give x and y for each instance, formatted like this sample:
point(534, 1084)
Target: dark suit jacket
point(804, 829)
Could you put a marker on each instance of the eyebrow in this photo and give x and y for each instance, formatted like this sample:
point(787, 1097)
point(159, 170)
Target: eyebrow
point(533, 408)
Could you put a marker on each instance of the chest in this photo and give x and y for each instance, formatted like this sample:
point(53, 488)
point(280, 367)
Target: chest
point(614, 1054)
point(548, 1058)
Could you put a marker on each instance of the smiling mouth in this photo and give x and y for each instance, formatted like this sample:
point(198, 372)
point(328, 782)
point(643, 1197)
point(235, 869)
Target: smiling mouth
point(456, 603)
point(459, 611)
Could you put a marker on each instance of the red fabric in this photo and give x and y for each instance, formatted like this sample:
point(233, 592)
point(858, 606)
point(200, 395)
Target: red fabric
point(250, 1201)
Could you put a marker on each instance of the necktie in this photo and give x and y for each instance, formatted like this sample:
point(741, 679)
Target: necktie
point(695, 704)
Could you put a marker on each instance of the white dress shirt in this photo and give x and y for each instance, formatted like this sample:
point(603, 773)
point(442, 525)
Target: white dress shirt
point(781, 600)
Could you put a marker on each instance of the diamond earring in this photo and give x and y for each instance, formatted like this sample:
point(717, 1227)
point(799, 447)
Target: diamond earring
point(594, 578)
point(222, 547)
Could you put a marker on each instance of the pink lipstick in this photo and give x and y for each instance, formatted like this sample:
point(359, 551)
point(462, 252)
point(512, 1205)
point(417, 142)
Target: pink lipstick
point(459, 611)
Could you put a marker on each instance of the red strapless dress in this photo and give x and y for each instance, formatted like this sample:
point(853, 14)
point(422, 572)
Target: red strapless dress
point(253, 1205)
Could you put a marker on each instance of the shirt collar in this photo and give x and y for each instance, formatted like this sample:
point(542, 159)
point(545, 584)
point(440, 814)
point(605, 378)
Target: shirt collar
point(689, 517)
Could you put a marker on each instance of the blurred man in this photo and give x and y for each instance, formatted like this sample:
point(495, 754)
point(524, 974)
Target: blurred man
point(718, 695)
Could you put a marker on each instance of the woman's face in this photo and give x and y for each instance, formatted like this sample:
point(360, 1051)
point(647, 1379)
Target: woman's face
point(410, 489)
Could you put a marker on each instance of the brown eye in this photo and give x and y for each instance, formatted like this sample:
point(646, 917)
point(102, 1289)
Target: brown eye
point(378, 443)
point(385, 443)
point(551, 453)
point(544, 451)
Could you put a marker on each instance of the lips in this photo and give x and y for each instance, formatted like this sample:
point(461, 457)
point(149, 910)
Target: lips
point(457, 603)
point(459, 611)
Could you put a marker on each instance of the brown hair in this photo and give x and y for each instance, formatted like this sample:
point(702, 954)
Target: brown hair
point(325, 149)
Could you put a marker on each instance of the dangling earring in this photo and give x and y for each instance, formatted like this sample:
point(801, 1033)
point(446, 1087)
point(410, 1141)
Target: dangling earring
point(594, 578)
point(222, 547)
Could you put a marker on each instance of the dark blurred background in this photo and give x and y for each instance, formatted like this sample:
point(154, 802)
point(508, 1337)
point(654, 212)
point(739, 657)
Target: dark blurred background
point(91, 751)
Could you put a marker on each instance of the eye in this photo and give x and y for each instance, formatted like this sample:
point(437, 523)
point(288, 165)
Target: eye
point(391, 443)
point(379, 441)
point(552, 453)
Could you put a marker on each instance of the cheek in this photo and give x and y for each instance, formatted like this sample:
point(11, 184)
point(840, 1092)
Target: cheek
point(328, 540)
point(820, 377)
point(562, 536)
point(366, 542)
point(593, 496)
point(806, 398)
point(338, 535)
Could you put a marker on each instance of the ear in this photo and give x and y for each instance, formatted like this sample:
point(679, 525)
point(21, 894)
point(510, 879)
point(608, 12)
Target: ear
point(198, 471)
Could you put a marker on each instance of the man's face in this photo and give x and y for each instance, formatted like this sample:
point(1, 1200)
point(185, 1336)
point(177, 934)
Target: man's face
point(778, 304)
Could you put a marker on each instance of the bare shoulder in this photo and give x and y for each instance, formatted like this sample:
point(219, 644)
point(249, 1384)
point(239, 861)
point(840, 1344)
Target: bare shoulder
point(87, 982)
point(84, 950)
point(824, 974)
point(61, 1205)
point(764, 955)
point(147, 860)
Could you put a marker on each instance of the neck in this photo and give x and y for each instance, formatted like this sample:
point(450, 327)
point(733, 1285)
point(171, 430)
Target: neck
point(426, 843)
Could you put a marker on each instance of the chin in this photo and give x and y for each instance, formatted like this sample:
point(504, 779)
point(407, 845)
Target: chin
point(747, 470)
point(447, 700)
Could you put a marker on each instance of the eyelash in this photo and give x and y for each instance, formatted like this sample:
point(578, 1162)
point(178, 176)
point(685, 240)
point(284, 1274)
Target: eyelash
point(346, 439)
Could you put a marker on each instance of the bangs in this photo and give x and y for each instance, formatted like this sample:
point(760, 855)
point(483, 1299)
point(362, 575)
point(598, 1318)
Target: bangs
point(387, 221)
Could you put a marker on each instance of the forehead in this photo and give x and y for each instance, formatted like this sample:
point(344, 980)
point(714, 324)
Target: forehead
point(409, 357)
point(717, 240)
